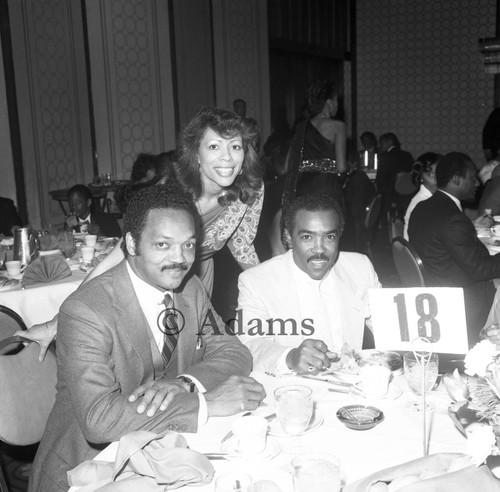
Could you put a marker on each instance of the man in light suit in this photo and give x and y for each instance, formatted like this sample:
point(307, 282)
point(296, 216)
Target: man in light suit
point(112, 348)
point(300, 307)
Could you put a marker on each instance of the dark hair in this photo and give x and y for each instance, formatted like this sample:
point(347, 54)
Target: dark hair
point(164, 165)
point(423, 165)
point(148, 198)
point(82, 190)
point(239, 100)
point(317, 94)
point(369, 135)
point(142, 164)
point(311, 202)
point(228, 125)
point(391, 138)
point(452, 164)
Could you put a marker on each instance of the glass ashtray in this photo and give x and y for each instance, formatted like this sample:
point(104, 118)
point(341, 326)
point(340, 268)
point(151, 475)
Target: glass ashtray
point(360, 417)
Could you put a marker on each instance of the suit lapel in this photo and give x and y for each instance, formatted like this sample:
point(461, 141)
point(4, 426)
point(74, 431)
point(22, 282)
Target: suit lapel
point(129, 318)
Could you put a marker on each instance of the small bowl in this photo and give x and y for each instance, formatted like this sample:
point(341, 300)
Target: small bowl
point(360, 417)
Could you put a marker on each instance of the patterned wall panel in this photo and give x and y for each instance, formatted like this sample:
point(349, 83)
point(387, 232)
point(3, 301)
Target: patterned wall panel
point(52, 101)
point(241, 57)
point(130, 93)
point(420, 74)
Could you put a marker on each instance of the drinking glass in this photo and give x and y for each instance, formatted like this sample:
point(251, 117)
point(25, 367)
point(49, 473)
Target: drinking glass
point(420, 367)
point(318, 472)
point(294, 407)
point(234, 482)
point(3, 256)
point(67, 244)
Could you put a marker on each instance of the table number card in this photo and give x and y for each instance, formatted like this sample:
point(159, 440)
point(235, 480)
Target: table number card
point(401, 315)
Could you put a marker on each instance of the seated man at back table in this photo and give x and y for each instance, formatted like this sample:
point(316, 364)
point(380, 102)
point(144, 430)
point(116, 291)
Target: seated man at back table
point(446, 241)
point(300, 307)
point(84, 219)
point(139, 333)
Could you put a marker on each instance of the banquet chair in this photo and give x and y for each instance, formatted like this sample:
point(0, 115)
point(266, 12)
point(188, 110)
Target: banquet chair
point(371, 220)
point(28, 389)
point(408, 263)
point(10, 322)
point(395, 228)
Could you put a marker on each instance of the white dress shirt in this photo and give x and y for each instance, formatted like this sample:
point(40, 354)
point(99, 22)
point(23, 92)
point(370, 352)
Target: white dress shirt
point(422, 194)
point(151, 302)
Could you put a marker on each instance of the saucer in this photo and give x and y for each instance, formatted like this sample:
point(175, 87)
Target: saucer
point(393, 392)
point(276, 430)
point(272, 449)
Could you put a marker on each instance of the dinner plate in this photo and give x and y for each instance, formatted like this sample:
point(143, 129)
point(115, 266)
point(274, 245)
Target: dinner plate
point(276, 430)
point(393, 392)
point(272, 449)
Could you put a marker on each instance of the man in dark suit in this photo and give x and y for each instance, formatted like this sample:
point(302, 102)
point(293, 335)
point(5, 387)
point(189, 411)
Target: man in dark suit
point(391, 161)
point(118, 345)
point(8, 216)
point(446, 240)
point(84, 219)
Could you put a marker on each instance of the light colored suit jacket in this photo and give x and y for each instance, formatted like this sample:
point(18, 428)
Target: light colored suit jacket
point(269, 291)
point(105, 350)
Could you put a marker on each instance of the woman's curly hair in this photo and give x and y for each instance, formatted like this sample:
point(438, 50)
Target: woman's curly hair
point(228, 125)
point(317, 94)
point(423, 165)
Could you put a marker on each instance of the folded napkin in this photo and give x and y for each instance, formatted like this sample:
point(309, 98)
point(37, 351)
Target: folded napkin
point(45, 269)
point(48, 242)
point(440, 472)
point(147, 462)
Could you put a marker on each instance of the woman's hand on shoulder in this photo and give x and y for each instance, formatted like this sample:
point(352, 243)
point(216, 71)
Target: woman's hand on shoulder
point(43, 334)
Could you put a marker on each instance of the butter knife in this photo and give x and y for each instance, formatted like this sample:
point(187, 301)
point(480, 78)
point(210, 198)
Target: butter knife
point(270, 417)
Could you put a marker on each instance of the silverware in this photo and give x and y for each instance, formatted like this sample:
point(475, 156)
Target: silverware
point(350, 386)
point(270, 417)
point(216, 456)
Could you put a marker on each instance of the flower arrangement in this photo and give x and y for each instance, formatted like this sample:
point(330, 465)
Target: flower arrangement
point(482, 365)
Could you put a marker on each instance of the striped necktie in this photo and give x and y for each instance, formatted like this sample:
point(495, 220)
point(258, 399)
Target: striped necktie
point(169, 327)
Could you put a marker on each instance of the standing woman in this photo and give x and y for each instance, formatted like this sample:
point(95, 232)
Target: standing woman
point(423, 173)
point(219, 167)
point(317, 153)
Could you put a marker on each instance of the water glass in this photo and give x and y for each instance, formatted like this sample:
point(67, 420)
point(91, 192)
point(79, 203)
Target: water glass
point(318, 472)
point(294, 407)
point(416, 366)
point(234, 482)
point(67, 244)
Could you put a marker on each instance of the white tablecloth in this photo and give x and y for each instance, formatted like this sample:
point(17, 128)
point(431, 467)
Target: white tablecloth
point(40, 303)
point(395, 440)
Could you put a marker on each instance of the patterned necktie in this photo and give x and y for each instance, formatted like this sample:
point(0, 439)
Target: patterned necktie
point(169, 327)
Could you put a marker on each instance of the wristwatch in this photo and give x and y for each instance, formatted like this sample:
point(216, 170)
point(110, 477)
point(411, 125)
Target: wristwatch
point(188, 383)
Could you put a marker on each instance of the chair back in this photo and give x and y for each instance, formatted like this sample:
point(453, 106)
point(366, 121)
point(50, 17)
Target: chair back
point(10, 322)
point(395, 228)
point(373, 212)
point(407, 262)
point(28, 389)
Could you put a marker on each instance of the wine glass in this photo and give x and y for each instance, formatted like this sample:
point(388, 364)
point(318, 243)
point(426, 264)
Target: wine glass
point(67, 244)
point(294, 407)
point(420, 367)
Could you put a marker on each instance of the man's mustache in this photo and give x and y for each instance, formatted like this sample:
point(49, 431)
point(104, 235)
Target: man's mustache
point(319, 256)
point(175, 266)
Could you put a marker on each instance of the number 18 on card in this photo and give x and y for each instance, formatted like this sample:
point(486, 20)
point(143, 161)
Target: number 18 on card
point(399, 316)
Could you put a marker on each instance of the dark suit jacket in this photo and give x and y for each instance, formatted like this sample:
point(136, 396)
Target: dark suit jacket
point(105, 350)
point(453, 256)
point(8, 216)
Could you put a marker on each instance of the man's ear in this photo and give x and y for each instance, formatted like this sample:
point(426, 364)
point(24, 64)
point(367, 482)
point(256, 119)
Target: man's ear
point(456, 180)
point(130, 244)
point(89, 203)
point(287, 239)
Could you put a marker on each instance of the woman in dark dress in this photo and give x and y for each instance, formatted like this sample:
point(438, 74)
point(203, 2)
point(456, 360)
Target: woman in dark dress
point(317, 155)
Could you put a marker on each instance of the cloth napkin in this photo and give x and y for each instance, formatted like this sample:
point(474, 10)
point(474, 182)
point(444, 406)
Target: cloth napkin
point(440, 472)
point(147, 462)
point(48, 242)
point(45, 269)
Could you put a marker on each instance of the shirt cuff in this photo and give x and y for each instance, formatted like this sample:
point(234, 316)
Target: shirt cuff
point(203, 412)
point(280, 368)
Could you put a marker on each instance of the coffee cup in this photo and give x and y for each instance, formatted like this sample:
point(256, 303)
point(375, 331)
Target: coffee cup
point(87, 253)
point(250, 433)
point(13, 267)
point(90, 240)
point(374, 380)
